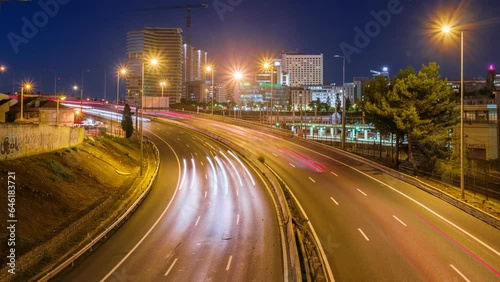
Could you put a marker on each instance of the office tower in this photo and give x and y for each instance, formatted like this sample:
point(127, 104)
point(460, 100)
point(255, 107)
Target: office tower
point(303, 69)
point(165, 44)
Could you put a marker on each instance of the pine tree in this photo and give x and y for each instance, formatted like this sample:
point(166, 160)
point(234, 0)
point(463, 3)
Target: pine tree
point(126, 123)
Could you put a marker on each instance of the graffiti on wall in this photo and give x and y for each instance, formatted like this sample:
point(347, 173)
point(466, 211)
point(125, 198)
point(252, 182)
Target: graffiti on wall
point(10, 146)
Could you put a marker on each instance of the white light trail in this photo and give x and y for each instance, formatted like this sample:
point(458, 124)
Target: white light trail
point(244, 167)
point(215, 174)
point(224, 174)
point(234, 168)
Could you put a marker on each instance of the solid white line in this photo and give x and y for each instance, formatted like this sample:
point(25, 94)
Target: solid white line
point(312, 180)
point(334, 201)
point(362, 192)
point(229, 262)
point(400, 221)
point(291, 164)
point(170, 268)
point(237, 219)
point(198, 220)
point(333, 173)
point(361, 231)
point(460, 273)
point(157, 220)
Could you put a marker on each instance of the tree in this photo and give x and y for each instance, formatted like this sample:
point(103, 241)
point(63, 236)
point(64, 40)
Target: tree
point(426, 112)
point(380, 108)
point(127, 124)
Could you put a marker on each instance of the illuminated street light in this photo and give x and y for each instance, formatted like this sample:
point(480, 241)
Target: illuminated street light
point(210, 69)
point(269, 67)
point(27, 86)
point(238, 76)
point(343, 102)
point(152, 62)
point(162, 85)
point(448, 29)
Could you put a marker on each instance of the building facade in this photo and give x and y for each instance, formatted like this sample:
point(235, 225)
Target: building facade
point(303, 69)
point(165, 44)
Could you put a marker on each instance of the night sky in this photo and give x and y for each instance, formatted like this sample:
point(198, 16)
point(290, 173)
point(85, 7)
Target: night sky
point(91, 35)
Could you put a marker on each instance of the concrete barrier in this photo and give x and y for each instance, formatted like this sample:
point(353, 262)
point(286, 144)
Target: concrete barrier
point(21, 140)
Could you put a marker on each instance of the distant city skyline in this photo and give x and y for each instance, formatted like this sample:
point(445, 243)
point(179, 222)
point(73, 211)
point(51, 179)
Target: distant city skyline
point(55, 39)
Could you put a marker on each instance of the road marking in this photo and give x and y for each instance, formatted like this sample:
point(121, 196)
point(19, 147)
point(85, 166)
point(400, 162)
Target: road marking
point(274, 154)
point(198, 220)
point(170, 268)
point(196, 154)
point(178, 139)
point(237, 219)
point(361, 192)
point(157, 220)
point(334, 201)
point(459, 273)
point(406, 196)
point(205, 194)
point(334, 173)
point(496, 272)
point(229, 263)
point(206, 176)
point(400, 221)
point(291, 164)
point(202, 163)
point(361, 231)
point(312, 180)
point(187, 145)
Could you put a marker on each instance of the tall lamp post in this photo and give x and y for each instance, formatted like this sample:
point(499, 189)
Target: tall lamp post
point(152, 62)
point(238, 76)
point(211, 70)
point(447, 29)
point(163, 83)
point(121, 71)
point(24, 86)
point(343, 102)
point(269, 67)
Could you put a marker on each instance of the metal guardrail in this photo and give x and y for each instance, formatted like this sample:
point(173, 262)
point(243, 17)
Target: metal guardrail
point(70, 261)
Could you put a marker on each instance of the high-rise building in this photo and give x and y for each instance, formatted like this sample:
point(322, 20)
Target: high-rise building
point(359, 84)
point(165, 44)
point(303, 69)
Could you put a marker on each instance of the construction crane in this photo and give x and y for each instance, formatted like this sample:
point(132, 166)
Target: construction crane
point(188, 8)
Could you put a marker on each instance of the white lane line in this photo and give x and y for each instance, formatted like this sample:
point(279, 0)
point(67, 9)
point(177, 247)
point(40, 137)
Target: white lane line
point(187, 145)
point(312, 180)
point(409, 198)
point(291, 164)
point(274, 154)
point(361, 192)
point(196, 154)
point(178, 139)
point(229, 263)
point(334, 173)
point(170, 268)
point(201, 162)
point(362, 233)
point(334, 201)
point(400, 221)
point(459, 273)
point(237, 219)
point(206, 176)
point(198, 220)
point(205, 194)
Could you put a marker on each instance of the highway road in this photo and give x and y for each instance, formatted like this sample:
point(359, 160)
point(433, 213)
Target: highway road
point(208, 218)
point(371, 226)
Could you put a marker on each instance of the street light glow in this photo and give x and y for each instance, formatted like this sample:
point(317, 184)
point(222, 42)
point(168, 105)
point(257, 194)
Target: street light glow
point(3, 68)
point(238, 75)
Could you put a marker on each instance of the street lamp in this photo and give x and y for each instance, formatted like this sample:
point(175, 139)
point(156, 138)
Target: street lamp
point(26, 86)
point(343, 102)
point(269, 67)
point(211, 70)
point(448, 29)
point(152, 62)
point(238, 76)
